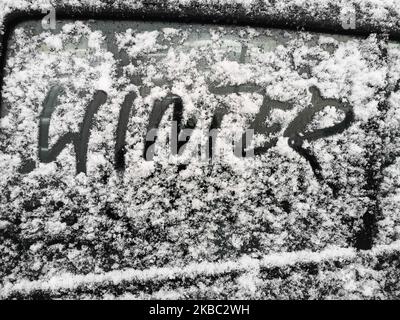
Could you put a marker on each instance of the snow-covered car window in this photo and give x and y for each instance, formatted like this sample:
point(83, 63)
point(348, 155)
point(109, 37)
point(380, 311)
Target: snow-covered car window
point(140, 145)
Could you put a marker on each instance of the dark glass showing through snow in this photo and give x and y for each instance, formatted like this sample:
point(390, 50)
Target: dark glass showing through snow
point(127, 144)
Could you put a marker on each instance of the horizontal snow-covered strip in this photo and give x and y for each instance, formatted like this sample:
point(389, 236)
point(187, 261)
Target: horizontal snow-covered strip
point(290, 258)
point(71, 282)
point(382, 13)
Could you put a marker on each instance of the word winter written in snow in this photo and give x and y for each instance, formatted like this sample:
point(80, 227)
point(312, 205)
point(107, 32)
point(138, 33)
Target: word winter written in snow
point(296, 131)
